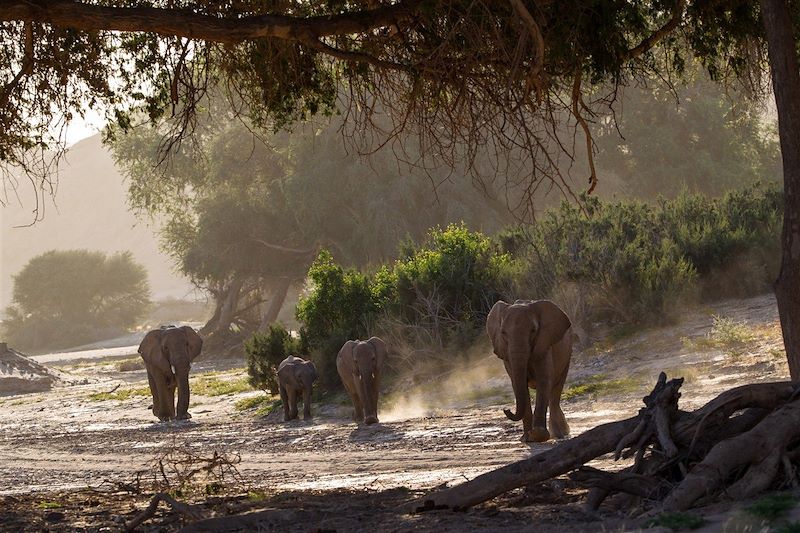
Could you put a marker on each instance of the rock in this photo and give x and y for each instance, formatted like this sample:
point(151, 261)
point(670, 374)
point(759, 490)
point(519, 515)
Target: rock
point(20, 374)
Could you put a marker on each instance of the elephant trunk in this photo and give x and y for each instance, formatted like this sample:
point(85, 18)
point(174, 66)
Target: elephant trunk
point(370, 399)
point(182, 377)
point(518, 372)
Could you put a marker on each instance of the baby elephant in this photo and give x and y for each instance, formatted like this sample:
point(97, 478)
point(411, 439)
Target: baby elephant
point(359, 364)
point(295, 377)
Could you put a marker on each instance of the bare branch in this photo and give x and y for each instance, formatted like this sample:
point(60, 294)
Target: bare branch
point(181, 23)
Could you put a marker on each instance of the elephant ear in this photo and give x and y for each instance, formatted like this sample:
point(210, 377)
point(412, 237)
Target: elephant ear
point(313, 367)
point(150, 348)
point(194, 341)
point(553, 324)
point(380, 350)
point(493, 322)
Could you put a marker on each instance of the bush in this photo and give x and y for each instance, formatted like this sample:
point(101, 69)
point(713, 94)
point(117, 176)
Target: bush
point(627, 265)
point(636, 263)
point(265, 351)
point(450, 282)
point(444, 286)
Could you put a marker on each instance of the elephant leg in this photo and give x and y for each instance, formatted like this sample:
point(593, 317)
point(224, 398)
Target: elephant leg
point(161, 404)
point(558, 422)
point(306, 403)
point(285, 402)
point(292, 394)
point(543, 369)
point(170, 401)
point(154, 393)
point(358, 408)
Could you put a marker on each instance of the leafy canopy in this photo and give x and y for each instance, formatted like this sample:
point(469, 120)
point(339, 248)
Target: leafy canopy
point(456, 76)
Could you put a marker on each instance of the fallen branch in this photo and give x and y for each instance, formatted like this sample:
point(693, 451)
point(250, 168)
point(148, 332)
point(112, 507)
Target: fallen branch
point(560, 459)
point(187, 511)
point(760, 451)
point(751, 426)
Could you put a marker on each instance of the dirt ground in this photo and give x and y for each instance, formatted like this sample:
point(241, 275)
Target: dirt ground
point(70, 462)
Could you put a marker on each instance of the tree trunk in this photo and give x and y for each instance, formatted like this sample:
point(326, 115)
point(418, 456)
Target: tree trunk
point(786, 85)
point(228, 310)
point(275, 303)
point(211, 325)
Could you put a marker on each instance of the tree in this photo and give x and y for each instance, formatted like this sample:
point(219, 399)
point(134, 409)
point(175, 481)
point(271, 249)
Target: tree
point(245, 221)
point(65, 297)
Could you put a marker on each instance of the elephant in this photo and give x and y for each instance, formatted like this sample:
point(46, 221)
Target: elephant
point(168, 353)
point(359, 364)
point(295, 377)
point(534, 340)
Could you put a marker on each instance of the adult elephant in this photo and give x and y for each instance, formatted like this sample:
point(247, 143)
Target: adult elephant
point(168, 353)
point(534, 340)
point(296, 376)
point(359, 364)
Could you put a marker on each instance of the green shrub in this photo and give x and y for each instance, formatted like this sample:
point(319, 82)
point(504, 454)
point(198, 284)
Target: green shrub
point(627, 265)
point(265, 351)
point(450, 282)
point(340, 306)
point(637, 263)
point(445, 285)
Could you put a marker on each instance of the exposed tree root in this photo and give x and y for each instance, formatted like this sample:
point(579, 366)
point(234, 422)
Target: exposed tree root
point(742, 442)
point(186, 510)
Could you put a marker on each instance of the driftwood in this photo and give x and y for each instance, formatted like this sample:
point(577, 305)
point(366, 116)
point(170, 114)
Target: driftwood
point(187, 511)
point(742, 442)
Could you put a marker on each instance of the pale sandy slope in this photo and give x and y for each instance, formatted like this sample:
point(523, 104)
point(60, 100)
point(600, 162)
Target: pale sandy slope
point(90, 211)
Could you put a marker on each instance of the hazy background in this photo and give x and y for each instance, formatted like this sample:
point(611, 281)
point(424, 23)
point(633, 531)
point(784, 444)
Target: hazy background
point(89, 211)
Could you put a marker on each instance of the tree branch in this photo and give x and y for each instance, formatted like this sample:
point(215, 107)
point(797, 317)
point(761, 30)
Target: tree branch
point(535, 33)
point(27, 67)
point(184, 23)
point(577, 102)
point(660, 33)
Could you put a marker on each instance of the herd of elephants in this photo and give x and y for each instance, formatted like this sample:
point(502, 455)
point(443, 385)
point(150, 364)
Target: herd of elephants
point(532, 338)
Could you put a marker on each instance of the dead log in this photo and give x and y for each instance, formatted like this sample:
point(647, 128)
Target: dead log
point(680, 434)
point(655, 419)
point(186, 510)
point(558, 460)
point(761, 451)
point(565, 456)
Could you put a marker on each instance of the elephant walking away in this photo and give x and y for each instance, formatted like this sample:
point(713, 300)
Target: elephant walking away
point(534, 340)
point(168, 353)
point(359, 364)
point(296, 376)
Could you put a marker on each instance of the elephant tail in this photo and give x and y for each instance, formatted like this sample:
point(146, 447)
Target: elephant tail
point(516, 417)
